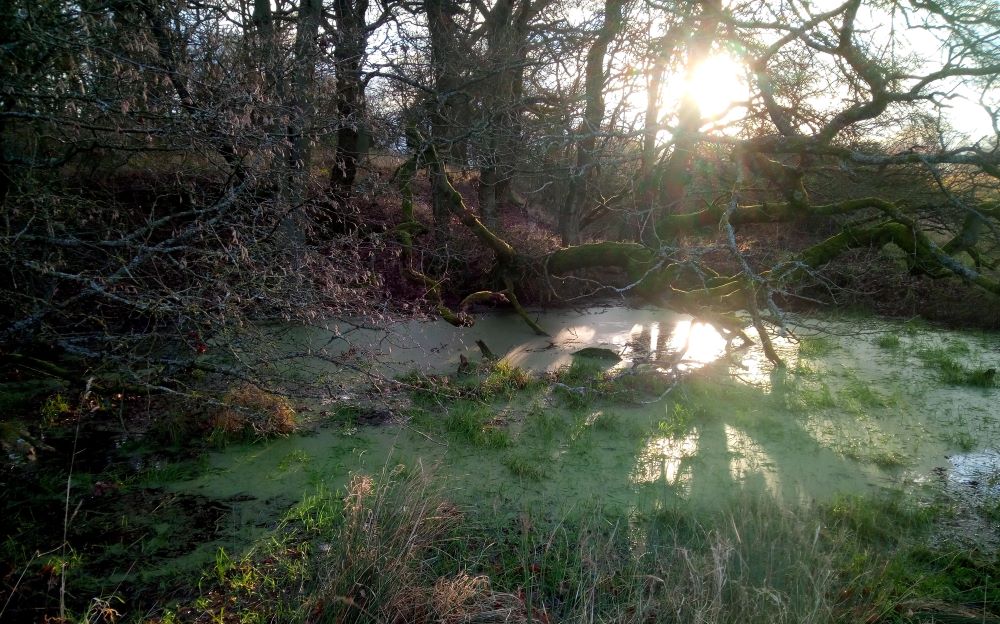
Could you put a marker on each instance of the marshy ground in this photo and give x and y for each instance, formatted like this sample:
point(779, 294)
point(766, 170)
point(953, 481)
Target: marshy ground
point(859, 483)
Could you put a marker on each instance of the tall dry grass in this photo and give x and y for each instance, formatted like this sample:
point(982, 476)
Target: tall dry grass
point(403, 554)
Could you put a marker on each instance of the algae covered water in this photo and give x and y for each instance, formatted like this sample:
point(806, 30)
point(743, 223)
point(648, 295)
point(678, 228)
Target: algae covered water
point(860, 406)
point(634, 441)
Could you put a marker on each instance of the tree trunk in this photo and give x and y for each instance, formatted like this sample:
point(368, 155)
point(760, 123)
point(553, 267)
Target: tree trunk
point(302, 99)
point(488, 200)
point(646, 195)
point(506, 36)
point(351, 104)
point(572, 209)
point(444, 109)
point(675, 172)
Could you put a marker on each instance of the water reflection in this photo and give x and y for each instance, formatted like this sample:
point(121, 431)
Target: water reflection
point(747, 457)
point(696, 343)
point(800, 433)
point(651, 335)
point(662, 459)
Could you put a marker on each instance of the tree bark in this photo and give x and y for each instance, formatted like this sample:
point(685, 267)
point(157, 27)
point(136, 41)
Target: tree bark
point(351, 102)
point(571, 211)
point(675, 171)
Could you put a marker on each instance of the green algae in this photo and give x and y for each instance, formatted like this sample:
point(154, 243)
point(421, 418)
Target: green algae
point(847, 417)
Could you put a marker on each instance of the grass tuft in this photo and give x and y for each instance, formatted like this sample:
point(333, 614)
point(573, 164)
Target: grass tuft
point(888, 341)
point(952, 372)
point(474, 422)
point(816, 346)
point(524, 467)
point(252, 413)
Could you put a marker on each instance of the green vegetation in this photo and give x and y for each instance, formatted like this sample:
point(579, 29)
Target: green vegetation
point(251, 413)
point(391, 548)
point(606, 421)
point(908, 573)
point(524, 466)
point(816, 346)
point(679, 421)
point(680, 511)
point(55, 408)
point(584, 371)
point(490, 381)
point(888, 341)
point(961, 440)
point(951, 371)
point(859, 395)
point(475, 422)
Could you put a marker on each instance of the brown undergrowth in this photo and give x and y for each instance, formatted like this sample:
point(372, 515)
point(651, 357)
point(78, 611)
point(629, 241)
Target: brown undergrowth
point(250, 411)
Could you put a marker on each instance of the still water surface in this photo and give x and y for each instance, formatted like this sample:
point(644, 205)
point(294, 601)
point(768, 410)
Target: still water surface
point(851, 413)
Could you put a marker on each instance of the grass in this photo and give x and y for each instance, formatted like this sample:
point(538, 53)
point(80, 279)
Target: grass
point(881, 521)
point(809, 396)
point(950, 371)
point(816, 346)
point(586, 379)
point(583, 371)
point(962, 440)
point(905, 571)
point(607, 422)
point(503, 380)
point(857, 394)
point(678, 421)
point(250, 413)
point(391, 548)
point(751, 561)
point(523, 466)
point(543, 424)
point(888, 341)
point(473, 421)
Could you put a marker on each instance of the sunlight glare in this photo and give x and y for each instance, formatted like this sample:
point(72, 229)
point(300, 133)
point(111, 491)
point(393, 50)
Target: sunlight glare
point(704, 343)
point(717, 83)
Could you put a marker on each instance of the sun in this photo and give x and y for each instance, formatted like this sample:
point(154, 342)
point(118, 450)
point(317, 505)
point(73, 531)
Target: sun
point(716, 84)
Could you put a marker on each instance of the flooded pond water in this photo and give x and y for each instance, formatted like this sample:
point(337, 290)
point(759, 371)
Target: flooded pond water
point(862, 406)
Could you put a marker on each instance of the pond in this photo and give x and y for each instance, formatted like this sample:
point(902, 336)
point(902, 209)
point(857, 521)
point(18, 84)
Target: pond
point(861, 405)
point(870, 459)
